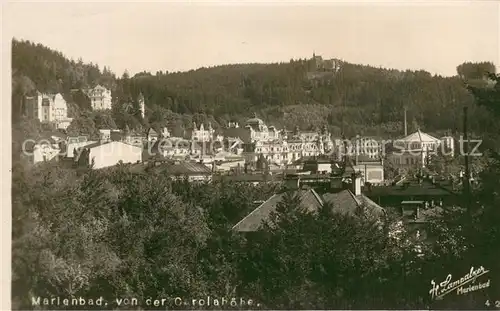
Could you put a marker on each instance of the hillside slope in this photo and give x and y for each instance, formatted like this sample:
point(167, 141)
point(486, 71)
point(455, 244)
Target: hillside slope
point(355, 99)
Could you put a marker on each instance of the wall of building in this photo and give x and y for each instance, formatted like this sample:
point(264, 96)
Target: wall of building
point(226, 166)
point(60, 108)
point(325, 167)
point(100, 98)
point(71, 147)
point(112, 153)
point(372, 173)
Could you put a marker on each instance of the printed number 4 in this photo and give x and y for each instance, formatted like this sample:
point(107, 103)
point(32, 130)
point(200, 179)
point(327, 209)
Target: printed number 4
point(497, 303)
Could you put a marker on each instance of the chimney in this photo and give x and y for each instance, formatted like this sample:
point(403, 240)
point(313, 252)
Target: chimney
point(292, 182)
point(356, 184)
point(417, 213)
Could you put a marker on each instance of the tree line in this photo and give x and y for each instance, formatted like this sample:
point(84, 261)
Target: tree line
point(355, 99)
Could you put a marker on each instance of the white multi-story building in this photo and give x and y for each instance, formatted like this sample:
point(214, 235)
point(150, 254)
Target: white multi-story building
point(368, 146)
point(48, 108)
point(100, 98)
point(277, 146)
point(202, 134)
point(259, 130)
point(109, 154)
point(413, 150)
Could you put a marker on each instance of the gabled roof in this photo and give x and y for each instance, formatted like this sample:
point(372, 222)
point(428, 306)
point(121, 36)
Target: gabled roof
point(241, 133)
point(309, 200)
point(228, 155)
point(317, 159)
point(420, 136)
point(99, 87)
point(247, 178)
point(255, 121)
point(185, 168)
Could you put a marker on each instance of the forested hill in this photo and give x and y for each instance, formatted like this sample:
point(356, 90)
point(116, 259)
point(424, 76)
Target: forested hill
point(359, 99)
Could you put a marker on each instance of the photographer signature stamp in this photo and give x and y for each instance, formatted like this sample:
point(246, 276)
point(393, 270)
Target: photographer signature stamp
point(463, 285)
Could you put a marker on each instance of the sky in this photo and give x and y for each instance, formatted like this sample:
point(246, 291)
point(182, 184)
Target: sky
point(173, 36)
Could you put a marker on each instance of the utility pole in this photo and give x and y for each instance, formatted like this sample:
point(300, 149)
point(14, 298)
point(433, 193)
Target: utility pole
point(466, 180)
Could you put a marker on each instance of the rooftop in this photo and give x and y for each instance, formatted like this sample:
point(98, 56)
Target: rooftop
point(346, 202)
point(183, 168)
point(309, 200)
point(420, 136)
point(412, 188)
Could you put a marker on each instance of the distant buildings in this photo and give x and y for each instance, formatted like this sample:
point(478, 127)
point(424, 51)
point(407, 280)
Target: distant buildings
point(180, 170)
point(100, 97)
point(320, 64)
point(46, 151)
point(75, 143)
point(48, 108)
point(371, 169)
point(202, 134)
point(414, 150)
point(368, 146)
point(108, 154)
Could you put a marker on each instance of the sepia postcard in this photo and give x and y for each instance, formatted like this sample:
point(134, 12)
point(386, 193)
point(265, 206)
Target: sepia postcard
point(251, 155)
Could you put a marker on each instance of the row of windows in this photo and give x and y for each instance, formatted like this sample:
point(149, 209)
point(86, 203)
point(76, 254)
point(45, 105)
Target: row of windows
point(285, 149)
point(407, 161)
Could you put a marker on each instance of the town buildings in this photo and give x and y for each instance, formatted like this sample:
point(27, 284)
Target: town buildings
point(75, 143)
point(101, 155)
point(45, 151)
point(48, 108)
point(202, 134)
point(371, 169)
point(371, 147)
point(320, 64)
point(279, 147)
point(413, 151)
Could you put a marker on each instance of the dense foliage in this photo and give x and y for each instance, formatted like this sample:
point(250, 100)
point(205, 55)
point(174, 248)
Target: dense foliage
point(115, 233)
